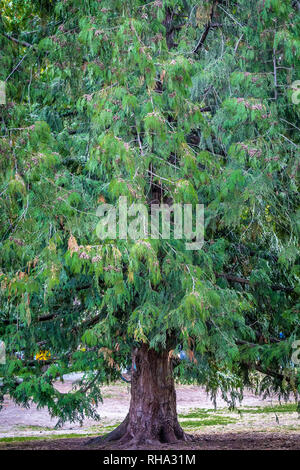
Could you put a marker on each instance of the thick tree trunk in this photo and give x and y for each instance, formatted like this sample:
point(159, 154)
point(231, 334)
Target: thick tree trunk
point(152, 414)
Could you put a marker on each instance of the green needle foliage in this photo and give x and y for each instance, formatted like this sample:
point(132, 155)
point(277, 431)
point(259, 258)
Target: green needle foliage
point(160, 101)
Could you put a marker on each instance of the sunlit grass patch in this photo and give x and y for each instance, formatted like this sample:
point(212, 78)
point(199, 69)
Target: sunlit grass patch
point(94, 431)
point(42, 438)
point(210, 421)
point(198, 413)
point(285, 408)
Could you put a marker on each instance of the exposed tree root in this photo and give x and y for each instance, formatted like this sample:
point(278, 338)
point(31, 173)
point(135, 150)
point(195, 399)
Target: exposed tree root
point(124, 435)
point(114, 435)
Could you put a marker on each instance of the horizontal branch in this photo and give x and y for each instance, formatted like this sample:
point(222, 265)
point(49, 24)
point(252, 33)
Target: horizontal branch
point(50, 316)
point(241, 280)
point(18, 41)
point(262, 341)
point(206, 109)
point(87, 323)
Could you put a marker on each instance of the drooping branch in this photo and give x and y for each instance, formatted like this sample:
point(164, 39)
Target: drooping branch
point(271, 373)
point(267, 371)
point(91, 383)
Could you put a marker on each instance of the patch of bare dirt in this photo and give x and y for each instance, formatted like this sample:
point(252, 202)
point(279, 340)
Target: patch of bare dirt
point(18, 421)
point(246, 431)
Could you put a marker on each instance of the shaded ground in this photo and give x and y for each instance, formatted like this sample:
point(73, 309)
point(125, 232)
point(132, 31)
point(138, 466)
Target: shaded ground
point(262, 424)
point(228, 441)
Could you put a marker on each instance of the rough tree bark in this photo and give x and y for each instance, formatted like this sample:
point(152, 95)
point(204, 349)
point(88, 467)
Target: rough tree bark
point(152, 415)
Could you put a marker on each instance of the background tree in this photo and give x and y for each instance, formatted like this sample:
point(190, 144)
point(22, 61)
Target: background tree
point(162, 101)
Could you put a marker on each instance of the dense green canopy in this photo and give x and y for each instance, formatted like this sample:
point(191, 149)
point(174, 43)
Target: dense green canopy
point(159, 101)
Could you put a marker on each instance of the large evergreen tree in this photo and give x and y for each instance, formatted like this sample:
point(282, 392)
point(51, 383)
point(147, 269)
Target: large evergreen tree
point(160, 101)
